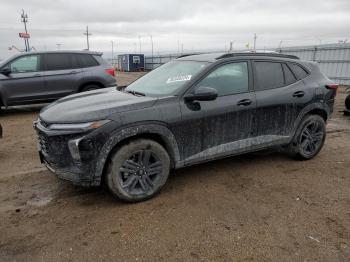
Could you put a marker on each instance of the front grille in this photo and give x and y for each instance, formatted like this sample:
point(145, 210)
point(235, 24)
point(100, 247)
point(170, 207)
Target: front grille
point(55, 149)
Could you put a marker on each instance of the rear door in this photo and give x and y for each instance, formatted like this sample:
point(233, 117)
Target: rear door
point(25, 84)
point(280, 98)
point(62, 74)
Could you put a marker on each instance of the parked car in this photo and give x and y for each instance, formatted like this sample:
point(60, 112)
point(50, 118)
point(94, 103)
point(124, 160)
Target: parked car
point(37, 77)
point(191, 110)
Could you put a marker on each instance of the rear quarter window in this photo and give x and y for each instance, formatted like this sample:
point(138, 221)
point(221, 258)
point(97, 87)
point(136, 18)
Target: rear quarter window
point(86, 60)
point(298, 71)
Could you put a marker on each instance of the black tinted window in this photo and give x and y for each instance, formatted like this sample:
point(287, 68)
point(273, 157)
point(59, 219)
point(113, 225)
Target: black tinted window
point(288, 75)
point(268, 75)
point(298, 71)
point(228, 79)
point(58, 61)
point(85, 60)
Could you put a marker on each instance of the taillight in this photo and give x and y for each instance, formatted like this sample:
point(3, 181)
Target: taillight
point(110, 71)
point(332, 86)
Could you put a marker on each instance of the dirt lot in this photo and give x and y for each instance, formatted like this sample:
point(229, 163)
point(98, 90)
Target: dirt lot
point(256, 207)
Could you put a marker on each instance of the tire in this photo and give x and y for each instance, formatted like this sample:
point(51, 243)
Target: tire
point(309, 138)
point(347, 102)
point(89, 88)
point(128, 175)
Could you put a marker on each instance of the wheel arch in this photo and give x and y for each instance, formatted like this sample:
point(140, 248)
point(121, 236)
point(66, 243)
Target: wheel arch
point(158, 133)
point(312, 109)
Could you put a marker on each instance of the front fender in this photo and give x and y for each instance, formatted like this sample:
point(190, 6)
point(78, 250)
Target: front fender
point(131, 131)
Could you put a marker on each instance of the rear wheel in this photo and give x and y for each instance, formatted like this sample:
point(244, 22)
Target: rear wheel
point(309, 138)
point(347, 102)
point(138, 170)
point(89, 88)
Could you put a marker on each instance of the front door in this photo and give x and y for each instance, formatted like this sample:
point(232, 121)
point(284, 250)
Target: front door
point(223, 126)
point(25, 83)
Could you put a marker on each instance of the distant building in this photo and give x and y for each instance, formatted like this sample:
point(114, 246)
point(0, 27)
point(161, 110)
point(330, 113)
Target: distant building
point(131, 62)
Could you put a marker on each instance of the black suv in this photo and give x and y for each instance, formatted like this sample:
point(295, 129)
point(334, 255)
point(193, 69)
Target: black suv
point(38, 77)
point(193, 109)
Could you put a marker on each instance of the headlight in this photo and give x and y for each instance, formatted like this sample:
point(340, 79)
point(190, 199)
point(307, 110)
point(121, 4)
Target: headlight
point(79, 126)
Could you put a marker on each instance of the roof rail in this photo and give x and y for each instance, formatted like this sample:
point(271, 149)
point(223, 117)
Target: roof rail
point(257, 54)
point(180, 56)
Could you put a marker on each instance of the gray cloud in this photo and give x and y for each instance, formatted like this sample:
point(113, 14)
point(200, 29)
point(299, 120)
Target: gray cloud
point(198, 24)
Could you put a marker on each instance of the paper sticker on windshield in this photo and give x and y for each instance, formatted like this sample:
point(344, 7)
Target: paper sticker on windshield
point(178, 79)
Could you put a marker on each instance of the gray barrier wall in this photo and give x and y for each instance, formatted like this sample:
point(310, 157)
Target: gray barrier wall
point(333, 59)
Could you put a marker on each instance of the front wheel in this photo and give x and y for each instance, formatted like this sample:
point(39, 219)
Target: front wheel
point(309, 138)
point(138, 170)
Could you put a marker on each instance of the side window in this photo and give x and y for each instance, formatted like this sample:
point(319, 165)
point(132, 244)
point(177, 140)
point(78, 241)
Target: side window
point(298, 71)
point(228, 79)
point(58, 61)
point(30, 63)
point(85, 60)
point(288, 75)
point(269, 75)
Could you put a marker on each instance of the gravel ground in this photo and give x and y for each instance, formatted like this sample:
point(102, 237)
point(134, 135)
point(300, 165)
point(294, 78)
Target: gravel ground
point(256, 207)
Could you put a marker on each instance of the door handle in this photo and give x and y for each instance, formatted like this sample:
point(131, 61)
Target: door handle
point(299, 94)
point(37, 75)
point(244, 102)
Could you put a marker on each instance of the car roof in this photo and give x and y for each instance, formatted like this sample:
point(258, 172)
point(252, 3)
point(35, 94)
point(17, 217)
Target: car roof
point(213, 57)
point(57, 52)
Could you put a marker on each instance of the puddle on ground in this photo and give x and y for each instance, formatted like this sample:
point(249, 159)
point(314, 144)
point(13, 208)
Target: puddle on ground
point(38, 201)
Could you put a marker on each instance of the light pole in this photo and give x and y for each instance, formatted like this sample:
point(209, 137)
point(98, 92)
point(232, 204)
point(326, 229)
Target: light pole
point(112, 53)
point(140, 43)
point(152, 48)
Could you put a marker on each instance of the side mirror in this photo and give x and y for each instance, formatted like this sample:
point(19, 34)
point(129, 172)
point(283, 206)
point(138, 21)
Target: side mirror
point(202, 93)
point(5, 71)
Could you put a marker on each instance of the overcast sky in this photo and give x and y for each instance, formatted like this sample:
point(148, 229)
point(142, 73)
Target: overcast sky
point(198, 25)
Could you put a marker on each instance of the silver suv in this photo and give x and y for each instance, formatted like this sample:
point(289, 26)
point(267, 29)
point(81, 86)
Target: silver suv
point(38, 77)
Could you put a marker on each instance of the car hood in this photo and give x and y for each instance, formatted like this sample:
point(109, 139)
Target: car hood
point(93, 105)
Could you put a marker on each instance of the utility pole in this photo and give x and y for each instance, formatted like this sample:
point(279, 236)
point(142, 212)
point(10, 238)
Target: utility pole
point(231, 46)
point(112, 53)
point(152, 48)
point(24, 19)
point(87, 37)
point(140, 43)
point(255, 37)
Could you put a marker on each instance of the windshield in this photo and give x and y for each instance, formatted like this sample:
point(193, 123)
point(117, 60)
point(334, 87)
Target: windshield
point(167, 79)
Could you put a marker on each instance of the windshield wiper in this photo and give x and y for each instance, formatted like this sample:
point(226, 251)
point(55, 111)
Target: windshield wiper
point(135, 93)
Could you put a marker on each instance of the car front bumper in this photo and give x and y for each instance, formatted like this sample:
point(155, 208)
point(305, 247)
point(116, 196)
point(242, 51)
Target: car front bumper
point(75, 163)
